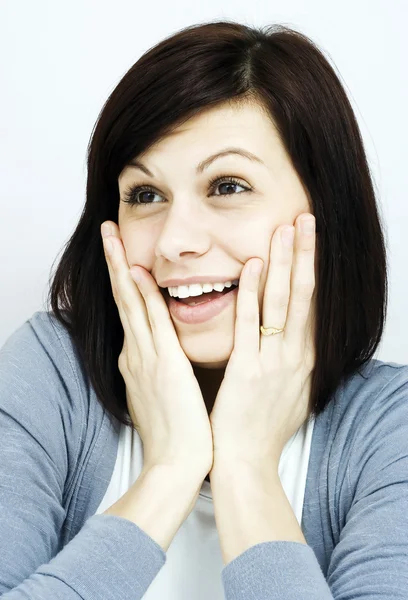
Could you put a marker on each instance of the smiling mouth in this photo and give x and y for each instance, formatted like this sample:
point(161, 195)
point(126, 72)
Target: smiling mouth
point(201, 299)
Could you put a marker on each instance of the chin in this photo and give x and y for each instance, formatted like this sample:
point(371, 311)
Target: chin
point(207, 355)
point(210, 365)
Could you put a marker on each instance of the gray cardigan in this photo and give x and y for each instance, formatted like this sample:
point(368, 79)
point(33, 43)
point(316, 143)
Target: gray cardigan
point(58, 450)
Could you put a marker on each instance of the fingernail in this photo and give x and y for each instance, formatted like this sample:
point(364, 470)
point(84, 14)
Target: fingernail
point(136, 275)
point(106, 229)
point(307, 225)
point(107, 244)
point(256, 267)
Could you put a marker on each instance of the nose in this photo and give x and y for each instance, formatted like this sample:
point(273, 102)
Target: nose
point(185, 233)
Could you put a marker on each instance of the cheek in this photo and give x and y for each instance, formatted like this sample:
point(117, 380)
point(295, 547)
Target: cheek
point(138, 246)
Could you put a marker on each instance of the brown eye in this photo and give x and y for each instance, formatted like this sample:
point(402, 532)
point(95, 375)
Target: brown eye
point(133, 195)
point(228, 181)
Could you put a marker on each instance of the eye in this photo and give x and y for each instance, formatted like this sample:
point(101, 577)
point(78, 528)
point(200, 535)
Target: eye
point(229, 181)
point(131, 194)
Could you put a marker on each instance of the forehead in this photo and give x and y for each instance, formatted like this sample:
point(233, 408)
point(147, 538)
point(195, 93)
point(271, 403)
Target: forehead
point(246, 126)
point(239, 122)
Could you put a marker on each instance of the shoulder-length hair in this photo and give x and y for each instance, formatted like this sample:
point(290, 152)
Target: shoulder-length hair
point(197, 68)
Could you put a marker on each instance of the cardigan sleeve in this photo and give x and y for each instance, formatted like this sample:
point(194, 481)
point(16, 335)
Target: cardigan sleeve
point(370, 560)
point(110, 557)
point(275, 571)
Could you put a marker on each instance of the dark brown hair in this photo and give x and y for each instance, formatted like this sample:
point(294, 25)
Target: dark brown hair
point(284, 72)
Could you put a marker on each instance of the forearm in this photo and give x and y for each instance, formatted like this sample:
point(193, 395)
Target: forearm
point(250, 507)
point(159, 502)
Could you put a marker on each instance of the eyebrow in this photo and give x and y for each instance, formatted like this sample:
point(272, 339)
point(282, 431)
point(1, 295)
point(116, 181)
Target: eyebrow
point(205, 163)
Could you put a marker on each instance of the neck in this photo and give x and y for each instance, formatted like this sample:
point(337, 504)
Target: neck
point(209, 381)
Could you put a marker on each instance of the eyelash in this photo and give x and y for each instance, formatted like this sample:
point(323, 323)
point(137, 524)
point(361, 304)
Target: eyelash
point(131, 193)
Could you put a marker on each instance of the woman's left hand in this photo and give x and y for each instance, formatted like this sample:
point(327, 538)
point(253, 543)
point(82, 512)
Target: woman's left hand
point(264, 396)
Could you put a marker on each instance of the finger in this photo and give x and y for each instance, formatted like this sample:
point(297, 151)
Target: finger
point(164, 335)
point(277, 287)
point(154, 328)
point(302, 284)
point(133, 313)
point(107, 250)
point(247, 319)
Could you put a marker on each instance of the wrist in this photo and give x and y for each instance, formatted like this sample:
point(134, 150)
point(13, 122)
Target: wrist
point(159, 501)
point(187, 476)
point(228, 467)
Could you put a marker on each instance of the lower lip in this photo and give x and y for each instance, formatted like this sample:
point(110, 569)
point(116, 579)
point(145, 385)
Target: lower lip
point(201, 312)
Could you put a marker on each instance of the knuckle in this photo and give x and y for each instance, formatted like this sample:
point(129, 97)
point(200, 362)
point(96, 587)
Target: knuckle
point(127, 306)
point(286, 259)
point(304, 290)
point(132, 364)
point(122, 363)
point(297, 359)
point(129, 365)
point(253, 373)
point(279, 300)
point(309, 360)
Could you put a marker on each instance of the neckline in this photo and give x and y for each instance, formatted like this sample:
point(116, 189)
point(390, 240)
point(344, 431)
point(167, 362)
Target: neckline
point(205, 491)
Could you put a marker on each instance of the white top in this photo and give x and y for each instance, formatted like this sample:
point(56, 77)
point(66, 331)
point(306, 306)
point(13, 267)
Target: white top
point(194, 560)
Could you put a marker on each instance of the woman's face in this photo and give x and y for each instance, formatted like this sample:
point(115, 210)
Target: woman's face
point(185, 228)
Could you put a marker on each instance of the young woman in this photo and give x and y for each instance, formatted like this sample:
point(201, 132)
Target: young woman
point(198, 413)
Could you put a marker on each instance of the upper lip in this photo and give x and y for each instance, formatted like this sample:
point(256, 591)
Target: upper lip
point(199, 279)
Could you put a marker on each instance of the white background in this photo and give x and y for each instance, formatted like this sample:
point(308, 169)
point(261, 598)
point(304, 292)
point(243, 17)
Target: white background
point(61, 60)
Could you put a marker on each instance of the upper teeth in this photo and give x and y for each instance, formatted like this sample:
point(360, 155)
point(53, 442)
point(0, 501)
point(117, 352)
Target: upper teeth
point(196, 289)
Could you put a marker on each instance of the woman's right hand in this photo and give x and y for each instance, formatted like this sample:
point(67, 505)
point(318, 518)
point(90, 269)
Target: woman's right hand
point(163, 395)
